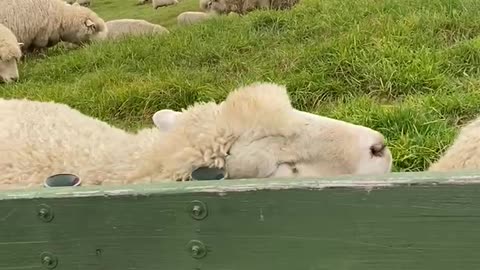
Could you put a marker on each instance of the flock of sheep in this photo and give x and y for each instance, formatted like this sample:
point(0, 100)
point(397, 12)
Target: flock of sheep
point(34, 25)
point(254, 133)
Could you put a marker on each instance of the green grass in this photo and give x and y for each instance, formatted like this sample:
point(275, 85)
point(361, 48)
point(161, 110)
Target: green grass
point(408, 68)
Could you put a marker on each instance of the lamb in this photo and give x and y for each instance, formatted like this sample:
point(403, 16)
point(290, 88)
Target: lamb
point(10, 54)
point(254, 133)
point(41, 24)
point(243, 7)
point(191, 17)
point(163, 3)
point(132, 27)
point(464, 153)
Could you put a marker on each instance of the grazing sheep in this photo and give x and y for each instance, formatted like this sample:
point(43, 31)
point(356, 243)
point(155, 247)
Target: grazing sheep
point(43, 23)
point(84, 3)
point(143, 2)
point(132, 27)
point(244, 6)
point(10, 53)
point(254, 133)
point(464, 153)
point(163, 3)
point(191, 17)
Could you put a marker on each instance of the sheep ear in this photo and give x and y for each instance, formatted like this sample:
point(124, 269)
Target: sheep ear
point(90, 24)
point(207, 173)
point(165, 119)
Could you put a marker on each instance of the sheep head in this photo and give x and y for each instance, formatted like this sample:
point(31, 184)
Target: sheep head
point(256, 133)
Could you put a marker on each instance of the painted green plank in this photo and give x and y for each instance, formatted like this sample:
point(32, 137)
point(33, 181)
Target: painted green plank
point(430, 222)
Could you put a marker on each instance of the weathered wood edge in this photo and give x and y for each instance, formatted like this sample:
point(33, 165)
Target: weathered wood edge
point(367, 182)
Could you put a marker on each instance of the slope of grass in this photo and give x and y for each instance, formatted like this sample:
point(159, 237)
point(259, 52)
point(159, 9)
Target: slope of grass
point(408, 68)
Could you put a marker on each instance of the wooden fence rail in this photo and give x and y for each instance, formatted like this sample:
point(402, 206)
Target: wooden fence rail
point(405, 221)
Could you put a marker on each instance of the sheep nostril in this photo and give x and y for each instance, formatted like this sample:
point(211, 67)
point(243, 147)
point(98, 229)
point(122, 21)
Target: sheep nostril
point(378, 149)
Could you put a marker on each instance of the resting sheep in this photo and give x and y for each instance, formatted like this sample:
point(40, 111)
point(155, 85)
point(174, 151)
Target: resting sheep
point(132, 27)
point(191, 17)
point(244, 6)
point(464, 153)
point(10, 53)
point(163, 3)
point(44, 23)
point(254, 133)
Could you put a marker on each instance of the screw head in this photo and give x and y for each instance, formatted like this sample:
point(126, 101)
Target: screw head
point(198, 210)
point(48, 260)
point(196, 249)
point(45, 213)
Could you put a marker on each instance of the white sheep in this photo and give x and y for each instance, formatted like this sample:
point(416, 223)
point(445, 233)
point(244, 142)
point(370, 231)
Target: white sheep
point(254, 133)
point(43, 23)
point(163, 3)
point(132, 27)
point(464, 153)
point(191, 17)
point(245, 6)
point(10, 54)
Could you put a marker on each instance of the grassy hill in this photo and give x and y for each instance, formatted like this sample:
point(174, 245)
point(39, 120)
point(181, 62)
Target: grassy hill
point(408, 68)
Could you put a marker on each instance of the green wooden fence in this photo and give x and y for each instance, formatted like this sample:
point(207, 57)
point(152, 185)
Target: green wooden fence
point(401, 221)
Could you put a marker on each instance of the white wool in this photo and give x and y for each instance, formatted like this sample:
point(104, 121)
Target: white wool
point(163, 3)
point(191, 17)
point(43, 23)
point(254, 133)
point(464, 153)
point(133, 27)
point(10, 54)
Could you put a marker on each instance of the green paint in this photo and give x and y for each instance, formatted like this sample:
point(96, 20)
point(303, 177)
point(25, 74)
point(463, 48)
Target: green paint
point(408, 221)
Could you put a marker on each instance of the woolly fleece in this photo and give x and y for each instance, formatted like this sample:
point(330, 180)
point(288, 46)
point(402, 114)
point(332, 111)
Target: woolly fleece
point(253, 133)
point(43, 23)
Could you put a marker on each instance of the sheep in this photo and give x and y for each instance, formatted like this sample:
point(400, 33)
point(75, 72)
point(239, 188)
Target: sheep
point(464, 153)
point(131, 27)
point(71, 2)
point(85, 3)
point(40, 24)
point(163, 3)
point(254, 133)
point(245, 6)
point(143, 2)
point(191, 17)
point(10, 54)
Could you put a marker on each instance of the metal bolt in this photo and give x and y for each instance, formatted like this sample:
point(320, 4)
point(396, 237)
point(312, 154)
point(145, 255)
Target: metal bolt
point(197, 249)
point(49, 261)
point(45, 213)
point(198, 210)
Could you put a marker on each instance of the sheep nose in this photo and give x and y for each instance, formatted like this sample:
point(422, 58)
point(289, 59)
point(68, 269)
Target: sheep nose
point(378, 149)
point(15, 79)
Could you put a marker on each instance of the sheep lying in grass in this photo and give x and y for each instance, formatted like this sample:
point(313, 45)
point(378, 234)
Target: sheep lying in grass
point(163, 3)
point(10, 53)
point(191, 17)
point(464, 153)
point(132, 27)
point(44, 23)
point(244, 6)
point(254, 133)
